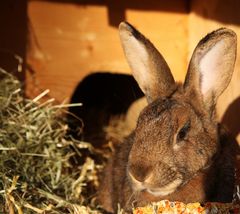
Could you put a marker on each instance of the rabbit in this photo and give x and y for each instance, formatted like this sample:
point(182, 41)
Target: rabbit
point(177, 151)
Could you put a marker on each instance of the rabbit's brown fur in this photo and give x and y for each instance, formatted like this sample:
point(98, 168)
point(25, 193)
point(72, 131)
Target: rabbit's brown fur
point(177, 151)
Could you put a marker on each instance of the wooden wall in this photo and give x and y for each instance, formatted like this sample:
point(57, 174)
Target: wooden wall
point(68, 41)
point(13, 35)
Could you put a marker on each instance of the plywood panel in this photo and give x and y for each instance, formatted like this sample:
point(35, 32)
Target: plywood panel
point(205, 17)
point(68, 41)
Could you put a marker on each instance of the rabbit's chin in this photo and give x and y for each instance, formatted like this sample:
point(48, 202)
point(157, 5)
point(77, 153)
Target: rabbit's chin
point(160, 191)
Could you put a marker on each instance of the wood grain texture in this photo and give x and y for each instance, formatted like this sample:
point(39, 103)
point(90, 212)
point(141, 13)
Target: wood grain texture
point(69, 41)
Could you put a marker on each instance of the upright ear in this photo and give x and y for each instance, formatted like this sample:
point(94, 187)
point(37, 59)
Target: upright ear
point(211, 66)
point(148, 66)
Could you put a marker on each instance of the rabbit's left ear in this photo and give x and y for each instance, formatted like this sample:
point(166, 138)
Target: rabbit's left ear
point(211, 66)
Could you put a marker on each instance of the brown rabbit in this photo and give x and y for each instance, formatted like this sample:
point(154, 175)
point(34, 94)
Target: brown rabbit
point(178, 151)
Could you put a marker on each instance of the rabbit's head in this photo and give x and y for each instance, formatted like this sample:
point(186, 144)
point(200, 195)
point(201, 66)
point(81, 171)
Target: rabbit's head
point(177, 133)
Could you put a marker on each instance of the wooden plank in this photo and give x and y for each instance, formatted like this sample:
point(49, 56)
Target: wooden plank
point(69, 41)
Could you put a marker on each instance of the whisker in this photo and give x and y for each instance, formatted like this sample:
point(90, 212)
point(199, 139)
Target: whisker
point(136, 198)
point(132, 202)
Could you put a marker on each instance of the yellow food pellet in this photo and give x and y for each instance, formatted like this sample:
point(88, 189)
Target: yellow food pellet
point(166, 206)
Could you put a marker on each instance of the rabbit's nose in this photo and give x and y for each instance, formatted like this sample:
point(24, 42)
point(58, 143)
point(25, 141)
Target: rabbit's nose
point(139, 173)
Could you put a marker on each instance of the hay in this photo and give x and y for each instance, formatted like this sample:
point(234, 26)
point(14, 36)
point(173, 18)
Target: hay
point(42, 168)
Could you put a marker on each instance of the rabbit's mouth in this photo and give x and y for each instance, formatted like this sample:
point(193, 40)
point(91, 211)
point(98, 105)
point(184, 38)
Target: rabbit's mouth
point(165, 190)
point(147, 186)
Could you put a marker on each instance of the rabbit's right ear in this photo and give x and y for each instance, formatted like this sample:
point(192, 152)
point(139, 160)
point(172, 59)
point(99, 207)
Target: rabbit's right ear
point(148, 66)
point(211, 66)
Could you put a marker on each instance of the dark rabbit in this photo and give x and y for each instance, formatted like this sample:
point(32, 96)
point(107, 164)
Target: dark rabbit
point(178, 151)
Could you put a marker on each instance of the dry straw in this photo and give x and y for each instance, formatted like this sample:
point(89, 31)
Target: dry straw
point(42, 168)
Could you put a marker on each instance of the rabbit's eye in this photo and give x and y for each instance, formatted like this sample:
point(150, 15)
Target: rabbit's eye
point(183, 131)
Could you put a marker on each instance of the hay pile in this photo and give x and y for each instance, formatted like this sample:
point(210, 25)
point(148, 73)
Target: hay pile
point(42, 168)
